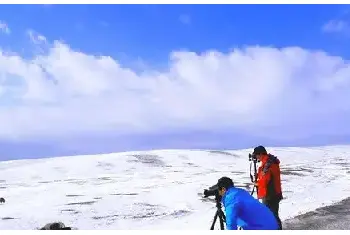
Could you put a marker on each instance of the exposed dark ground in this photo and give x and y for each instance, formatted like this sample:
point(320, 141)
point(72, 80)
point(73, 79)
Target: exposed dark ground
point(336, 217)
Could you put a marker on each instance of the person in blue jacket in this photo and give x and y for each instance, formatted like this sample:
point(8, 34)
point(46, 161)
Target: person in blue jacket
point(242, 210)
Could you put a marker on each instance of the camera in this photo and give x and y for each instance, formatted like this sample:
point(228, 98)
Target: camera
point(253, 157)
point(212, 191)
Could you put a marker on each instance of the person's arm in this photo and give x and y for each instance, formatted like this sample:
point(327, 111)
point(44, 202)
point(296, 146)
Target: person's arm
point(265, 178)
point(263, 182)
point(231, 216)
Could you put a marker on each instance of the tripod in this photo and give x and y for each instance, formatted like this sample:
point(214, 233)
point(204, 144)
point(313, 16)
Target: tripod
point(219, 213)
point(255, 177)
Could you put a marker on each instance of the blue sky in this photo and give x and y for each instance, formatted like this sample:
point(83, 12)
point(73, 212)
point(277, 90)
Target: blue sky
point(153, 31)
point(104, 78)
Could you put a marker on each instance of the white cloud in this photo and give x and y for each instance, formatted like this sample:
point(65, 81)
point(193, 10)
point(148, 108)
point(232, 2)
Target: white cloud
point(35, 37)
point(4, 28)
point(259, 90)
point(336, 26)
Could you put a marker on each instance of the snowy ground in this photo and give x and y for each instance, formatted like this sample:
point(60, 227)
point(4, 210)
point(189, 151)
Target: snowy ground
point(335, 216)
point(158, 189)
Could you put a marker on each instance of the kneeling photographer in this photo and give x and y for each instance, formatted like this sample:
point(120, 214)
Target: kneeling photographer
point(242, 210)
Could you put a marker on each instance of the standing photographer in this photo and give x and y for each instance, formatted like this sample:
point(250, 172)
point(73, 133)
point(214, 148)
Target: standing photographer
point(243, 210)
point(269, 181)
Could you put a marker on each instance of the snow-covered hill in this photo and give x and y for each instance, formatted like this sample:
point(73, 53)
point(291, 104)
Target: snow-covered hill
point(157, 189)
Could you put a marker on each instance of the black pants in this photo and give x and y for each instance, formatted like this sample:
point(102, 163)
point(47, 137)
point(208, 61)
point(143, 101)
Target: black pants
point(274, 207)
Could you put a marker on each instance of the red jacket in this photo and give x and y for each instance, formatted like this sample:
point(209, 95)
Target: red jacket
point(269, 179)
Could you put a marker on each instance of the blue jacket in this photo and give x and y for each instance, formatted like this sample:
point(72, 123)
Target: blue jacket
point(244, 210)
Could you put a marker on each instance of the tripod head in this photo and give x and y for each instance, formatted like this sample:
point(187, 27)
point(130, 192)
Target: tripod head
point(219, 213)
point(218, 201)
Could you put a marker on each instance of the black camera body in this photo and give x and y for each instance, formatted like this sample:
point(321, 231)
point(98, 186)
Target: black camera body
point(253, 158)
point(212, 191)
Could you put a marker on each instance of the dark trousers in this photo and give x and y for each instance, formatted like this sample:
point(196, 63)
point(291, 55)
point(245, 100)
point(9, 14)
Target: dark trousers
point(274, 205)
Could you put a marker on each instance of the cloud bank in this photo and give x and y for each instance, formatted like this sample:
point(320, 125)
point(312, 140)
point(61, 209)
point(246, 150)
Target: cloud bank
point(263, 91)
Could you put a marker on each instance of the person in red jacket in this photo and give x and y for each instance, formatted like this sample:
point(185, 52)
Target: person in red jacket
point(269, 181)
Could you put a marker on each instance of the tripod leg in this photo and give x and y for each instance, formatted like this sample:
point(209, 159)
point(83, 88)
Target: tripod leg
point(252, 190)
point(222, 219)
point(214, 221)
point(222, 226)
